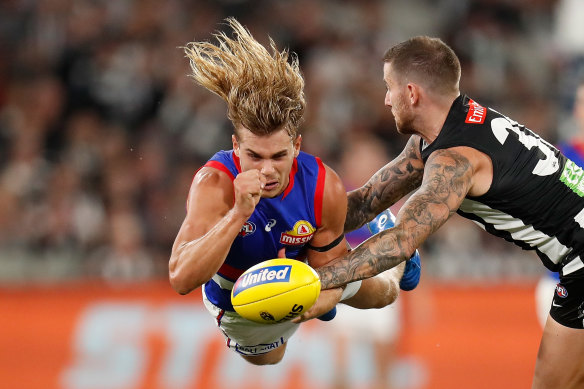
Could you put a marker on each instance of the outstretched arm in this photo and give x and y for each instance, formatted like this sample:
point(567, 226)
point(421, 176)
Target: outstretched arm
point(216, 210)
point(447, 178)
point(386, 187)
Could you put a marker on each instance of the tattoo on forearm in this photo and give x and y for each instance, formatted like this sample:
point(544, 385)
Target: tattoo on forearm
point(447, 179)
point(374, 257)
point(387, 186)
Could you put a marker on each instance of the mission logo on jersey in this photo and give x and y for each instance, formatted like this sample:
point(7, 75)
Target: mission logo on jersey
point(301, 233)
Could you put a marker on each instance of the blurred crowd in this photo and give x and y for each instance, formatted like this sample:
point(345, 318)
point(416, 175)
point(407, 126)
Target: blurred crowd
point(101, 129)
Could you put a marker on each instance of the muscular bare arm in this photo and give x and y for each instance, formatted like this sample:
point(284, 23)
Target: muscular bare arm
point(386, 187)
point(216, 210)
point(333, 218)
point(448, 177)
point(332, 221)
point(334, 205)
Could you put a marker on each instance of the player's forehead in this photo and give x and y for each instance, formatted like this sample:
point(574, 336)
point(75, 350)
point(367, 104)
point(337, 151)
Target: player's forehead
point(264, 144)
point(388, 74)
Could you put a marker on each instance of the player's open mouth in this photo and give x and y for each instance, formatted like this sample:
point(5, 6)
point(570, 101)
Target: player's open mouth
point(271, 185)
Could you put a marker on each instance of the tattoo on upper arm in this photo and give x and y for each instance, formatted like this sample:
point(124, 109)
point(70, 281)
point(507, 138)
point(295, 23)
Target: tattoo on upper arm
point(386, 187)
point(447, 179)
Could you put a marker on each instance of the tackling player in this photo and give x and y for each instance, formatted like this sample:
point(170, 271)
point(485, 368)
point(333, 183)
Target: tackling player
point(466, 158)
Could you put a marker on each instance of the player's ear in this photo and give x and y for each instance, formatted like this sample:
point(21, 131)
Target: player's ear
point(413, 93)
point(235, 145)
point(297, 143)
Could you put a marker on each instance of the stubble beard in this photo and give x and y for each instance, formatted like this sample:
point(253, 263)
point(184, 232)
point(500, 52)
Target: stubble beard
point(405, 125)
point(404, 118)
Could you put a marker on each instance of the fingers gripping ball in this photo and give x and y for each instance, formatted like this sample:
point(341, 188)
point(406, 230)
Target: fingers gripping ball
point(275, 290)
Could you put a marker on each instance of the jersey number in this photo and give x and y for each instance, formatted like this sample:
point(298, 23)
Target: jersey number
point(545, 166)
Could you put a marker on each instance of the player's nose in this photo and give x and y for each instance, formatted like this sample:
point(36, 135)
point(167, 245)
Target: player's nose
point(387, 99)
point(267, 167)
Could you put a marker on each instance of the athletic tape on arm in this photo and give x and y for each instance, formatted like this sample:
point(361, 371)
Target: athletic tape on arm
point(351, 288)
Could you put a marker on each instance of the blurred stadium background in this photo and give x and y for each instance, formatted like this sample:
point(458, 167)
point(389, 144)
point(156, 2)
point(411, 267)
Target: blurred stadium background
point(101, 132)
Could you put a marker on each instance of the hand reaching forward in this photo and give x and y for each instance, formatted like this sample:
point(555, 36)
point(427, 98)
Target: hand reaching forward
point(327, 300)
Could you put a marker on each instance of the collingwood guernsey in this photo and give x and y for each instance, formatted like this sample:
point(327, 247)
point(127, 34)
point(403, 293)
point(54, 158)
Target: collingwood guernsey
point(536, 197)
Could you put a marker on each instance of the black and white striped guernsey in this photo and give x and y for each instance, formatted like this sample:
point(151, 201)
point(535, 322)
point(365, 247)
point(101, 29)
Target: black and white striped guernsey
point(536, 199)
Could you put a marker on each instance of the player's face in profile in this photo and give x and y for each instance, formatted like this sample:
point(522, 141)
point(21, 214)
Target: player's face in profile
point(273, 155)
point(396, 99)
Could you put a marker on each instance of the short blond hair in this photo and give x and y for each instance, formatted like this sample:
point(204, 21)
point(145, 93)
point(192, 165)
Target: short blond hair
point(264, 91)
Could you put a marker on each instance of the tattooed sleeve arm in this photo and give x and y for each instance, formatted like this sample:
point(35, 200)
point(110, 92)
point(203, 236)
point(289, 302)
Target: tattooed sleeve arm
point(447, 178)
point(386, 187)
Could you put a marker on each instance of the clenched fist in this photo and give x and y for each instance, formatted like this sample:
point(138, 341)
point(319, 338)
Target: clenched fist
point(248, 188)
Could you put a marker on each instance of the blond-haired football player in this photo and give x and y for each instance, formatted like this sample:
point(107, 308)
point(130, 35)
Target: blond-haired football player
point(263, 197)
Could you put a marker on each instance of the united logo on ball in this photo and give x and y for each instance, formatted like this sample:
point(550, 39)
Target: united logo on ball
point(275, 291)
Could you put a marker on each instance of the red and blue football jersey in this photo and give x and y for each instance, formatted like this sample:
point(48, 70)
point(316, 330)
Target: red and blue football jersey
point(287, 221)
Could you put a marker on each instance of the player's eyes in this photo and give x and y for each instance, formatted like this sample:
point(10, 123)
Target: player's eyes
point(256, 157)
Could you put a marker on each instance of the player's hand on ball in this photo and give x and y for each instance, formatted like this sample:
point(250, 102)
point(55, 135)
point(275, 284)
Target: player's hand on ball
point(326, 301)
point(248, 188)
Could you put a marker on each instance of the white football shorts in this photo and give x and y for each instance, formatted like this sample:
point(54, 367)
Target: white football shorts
point(247, 337)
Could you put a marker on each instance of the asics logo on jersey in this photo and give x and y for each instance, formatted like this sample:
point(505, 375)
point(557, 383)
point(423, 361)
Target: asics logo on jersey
point(301, 233)
point(271, 223)
point(561, 291)
point(267, 275)
point(247, 229)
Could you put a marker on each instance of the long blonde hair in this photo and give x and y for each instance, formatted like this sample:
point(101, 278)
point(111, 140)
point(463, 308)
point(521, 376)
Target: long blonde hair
point(264, 91)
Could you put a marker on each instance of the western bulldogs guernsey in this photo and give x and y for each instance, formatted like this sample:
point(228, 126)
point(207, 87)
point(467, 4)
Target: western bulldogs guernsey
point(536, 196)
point(288, 220)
